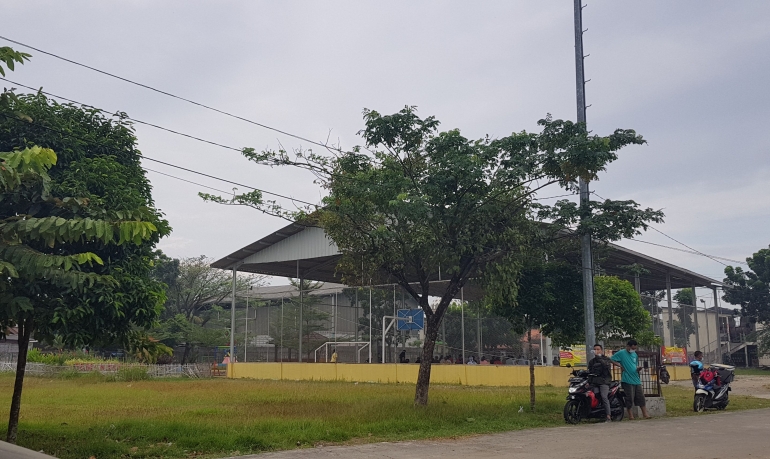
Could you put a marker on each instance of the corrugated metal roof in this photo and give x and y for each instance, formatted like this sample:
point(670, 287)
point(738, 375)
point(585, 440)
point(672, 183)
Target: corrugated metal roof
point(299, 250)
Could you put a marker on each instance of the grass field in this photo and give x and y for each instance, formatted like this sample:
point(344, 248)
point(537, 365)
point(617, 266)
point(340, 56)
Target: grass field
point(751, 372)
point(87, 416)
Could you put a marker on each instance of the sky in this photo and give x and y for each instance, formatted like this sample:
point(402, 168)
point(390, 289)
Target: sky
point(690, 76)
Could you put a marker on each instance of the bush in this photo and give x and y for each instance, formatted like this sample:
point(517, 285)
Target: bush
point(35, 356)
point(132, 374)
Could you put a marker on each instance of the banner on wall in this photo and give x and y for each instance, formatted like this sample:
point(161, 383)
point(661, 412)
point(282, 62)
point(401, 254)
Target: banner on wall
point(674, 355)
point(574, 355)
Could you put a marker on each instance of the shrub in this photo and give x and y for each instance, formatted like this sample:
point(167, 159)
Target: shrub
point(35, 356)
point(132, 374)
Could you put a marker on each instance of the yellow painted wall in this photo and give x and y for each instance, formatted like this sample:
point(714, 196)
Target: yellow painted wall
point(467, 375)
point(471, 375)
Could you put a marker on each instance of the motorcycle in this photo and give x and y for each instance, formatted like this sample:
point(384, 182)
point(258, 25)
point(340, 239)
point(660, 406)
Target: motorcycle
point(713, 390)
point(663, 374)
point(585, 402)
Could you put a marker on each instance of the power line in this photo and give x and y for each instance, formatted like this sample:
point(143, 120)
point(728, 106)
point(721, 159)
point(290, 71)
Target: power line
point(228, 181)
point(698, 252)
point(169, 164)
point(298, 137)
point(184, 180)
point(687, 251)
point(146, 123)
point(190, 136)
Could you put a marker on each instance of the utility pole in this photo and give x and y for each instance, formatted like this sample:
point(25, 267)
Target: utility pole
point(585, 239)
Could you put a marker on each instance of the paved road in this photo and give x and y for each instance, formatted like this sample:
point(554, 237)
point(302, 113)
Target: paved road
point(9, 451)
point(735, 435)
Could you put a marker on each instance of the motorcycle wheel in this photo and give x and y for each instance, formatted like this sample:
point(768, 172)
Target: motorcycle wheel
point(699, 404)
point(573, 412)
point(617, 407)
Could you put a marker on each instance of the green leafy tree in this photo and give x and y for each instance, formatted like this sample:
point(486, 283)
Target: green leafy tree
point(546, 295)
point(382, 305)
point(195, 290)
point(91, 197)
point(311, 318)
point(46, 277)
point(650, 301)
point(751, 290)
point(684, 313)
point(414, 200)
point(619, 312)
point(10, 58)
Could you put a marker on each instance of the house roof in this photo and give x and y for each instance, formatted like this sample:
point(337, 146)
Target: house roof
point(298, 250)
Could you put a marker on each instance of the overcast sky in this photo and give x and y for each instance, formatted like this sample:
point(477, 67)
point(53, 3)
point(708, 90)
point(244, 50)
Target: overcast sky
point(690, 76)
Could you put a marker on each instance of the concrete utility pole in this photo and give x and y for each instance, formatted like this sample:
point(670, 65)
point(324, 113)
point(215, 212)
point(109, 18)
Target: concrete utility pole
point(585, 195)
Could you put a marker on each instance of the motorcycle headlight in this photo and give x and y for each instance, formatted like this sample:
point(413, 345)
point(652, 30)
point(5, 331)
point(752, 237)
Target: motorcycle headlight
point(572, 390)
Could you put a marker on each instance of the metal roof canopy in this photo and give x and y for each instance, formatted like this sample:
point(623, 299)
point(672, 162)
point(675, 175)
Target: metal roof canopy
point(298, 250)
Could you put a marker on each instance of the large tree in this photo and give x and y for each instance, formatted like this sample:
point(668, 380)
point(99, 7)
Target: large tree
point(49, 276)
point(686, 301)
point(751, 290)
point(546, 295)
point(414, 201)
point(63, 207)
point(195, 291)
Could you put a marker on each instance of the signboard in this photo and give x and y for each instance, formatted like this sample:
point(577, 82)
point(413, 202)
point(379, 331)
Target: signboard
point(414, 319)
point(674, 355)
point(574, 355)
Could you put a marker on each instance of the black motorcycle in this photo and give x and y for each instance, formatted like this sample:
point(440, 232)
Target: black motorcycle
point(663, 374)
point(585, 402)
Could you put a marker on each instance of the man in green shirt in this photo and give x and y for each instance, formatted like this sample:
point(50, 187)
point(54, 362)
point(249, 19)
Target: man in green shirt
point(628, 362)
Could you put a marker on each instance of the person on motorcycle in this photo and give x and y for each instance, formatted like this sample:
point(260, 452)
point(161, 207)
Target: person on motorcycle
point(600, 367)
point(696, 366)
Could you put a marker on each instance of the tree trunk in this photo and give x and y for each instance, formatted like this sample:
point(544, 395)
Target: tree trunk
point(531, 369)
point(423, 377)
point(25, 331)
point(186, 354)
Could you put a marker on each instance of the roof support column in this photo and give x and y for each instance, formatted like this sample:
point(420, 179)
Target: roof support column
point(232, 321)
point(670, 311)
point(695, 316)
point(370, 323)
point(462, 321)
point(299, 277)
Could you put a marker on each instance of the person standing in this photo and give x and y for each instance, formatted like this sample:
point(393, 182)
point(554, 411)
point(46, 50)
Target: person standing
point(334, 355)
point(601, 368)
point(628, 362)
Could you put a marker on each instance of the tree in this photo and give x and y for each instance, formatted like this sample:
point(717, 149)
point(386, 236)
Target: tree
point(686, 327)
point(311, 318)
point(382, 305)
point(46, 278)
point(751, 290)
point(64, 213)
point(496, 332)
point(548, 295)
point(619, 312)
point(195, 290)
point(650, 301)
point(414, 201)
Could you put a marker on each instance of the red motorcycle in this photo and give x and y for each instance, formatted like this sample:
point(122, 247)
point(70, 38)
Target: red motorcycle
point(585, 402)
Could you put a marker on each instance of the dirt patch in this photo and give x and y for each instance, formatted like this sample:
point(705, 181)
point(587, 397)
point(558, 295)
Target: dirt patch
point(754, 386)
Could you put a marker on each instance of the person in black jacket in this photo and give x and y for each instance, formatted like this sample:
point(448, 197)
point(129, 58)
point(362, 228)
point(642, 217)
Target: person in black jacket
point(601, 367)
